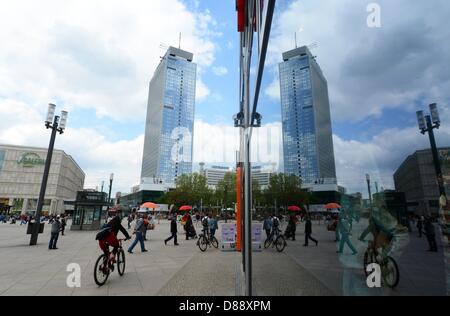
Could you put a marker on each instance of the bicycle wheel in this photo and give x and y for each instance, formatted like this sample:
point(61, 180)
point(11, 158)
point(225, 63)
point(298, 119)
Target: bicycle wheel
point(390, 272)
point(203, 243)
point(101, 270)
point(267, 243)
point(280, 243)
point(214, 242)
point(368, 259)
point(121, 262)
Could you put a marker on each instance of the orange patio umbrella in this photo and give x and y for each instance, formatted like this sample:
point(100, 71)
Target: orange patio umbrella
point(149, 205)
point(331, 206)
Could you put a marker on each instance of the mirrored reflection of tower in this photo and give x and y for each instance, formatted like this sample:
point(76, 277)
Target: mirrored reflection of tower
point(170, 118)
point(307, 136)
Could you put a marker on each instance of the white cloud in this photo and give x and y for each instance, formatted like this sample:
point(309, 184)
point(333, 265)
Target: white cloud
point(202, 91)
point(220, 71)
point(95, 54)
point(371, 70)
point(273, 90)
point(218, 143)
point(97, 156)
point(380, 156)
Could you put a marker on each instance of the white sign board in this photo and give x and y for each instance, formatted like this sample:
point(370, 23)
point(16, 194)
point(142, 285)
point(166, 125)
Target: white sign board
point(228, 233)
point(257, 236)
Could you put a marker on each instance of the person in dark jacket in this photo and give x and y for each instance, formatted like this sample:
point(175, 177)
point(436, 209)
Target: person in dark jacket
point(267, 225)
point(291, 228)
point(173, 230)
point(110, 239)
point(420, 226)
point(308, 232)
point(63, 224)
point(56, 228)
point(431, 234)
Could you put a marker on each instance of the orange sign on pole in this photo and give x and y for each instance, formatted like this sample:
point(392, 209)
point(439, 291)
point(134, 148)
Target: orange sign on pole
point(238, 207)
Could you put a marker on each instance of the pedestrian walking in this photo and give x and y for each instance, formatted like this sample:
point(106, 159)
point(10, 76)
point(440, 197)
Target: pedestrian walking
point(54, 234)
point(139, 230)
point(213, 226)
point(267, 225)
point(129, 220)
point(420, 225)
point(345, 234)
point(173, 230)
point(63, 224)
point(308, 232)
point(430, 232)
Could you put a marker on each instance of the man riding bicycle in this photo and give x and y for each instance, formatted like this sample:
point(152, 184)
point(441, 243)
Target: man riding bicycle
point(108, 236)
point(205, 224)
point(385, 230)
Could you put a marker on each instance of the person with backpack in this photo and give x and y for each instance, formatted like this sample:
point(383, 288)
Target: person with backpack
point(108, 236)
point(205, 225)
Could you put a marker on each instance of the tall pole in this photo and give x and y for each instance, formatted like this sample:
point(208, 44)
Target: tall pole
point(103, 184)
point(434, 151)
point(110, 187)
point(225, 203)
point(370, 194)
point(36, 226)
point(247, 171)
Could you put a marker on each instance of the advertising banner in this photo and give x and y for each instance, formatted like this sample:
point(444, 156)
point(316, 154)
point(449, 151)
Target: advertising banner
point(228, 233)
point(257, 236)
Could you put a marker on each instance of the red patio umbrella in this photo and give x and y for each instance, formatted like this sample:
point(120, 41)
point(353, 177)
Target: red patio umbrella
point(331, 206)
point(294, 208)
point(185, 208)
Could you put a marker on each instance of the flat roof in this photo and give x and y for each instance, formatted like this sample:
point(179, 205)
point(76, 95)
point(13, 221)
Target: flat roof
point(21, 147)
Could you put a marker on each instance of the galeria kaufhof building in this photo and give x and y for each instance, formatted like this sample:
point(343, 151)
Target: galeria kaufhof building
point(21, 171)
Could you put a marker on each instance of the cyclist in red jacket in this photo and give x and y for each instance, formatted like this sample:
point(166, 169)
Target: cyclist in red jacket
point(110, 239)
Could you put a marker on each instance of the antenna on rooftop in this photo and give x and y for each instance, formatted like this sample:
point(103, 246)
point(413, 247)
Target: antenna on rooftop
point(179, 42)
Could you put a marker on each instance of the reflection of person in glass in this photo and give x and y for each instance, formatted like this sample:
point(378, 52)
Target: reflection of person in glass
point(345, 228)
point(385, 230)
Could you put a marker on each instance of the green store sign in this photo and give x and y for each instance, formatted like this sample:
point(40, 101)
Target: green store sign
point(29, 160)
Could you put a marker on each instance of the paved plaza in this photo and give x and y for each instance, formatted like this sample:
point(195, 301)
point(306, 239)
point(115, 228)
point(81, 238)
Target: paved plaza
point(185, 270)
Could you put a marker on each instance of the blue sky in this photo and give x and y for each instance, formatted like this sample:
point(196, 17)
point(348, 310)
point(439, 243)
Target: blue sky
point(96, 59)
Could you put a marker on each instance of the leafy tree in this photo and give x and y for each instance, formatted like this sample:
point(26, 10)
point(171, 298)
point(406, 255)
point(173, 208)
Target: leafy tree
point(190, 189)
point(228, 184)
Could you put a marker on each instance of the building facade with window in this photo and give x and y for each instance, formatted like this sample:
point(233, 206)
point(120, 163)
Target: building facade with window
point(307, 135)
point(170, 118)
point(21, 172)
point(416, 177)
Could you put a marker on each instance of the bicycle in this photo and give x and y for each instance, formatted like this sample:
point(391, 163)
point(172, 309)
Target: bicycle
point(279, 243)
point(104, 265)
point(204, 242)
point(389, 269)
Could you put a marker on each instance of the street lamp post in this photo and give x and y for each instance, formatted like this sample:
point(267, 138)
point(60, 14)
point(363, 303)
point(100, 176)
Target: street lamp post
point(57, 124)
point(225, 203)
point(370, 193)
point(111, 178)
point(427, 124)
